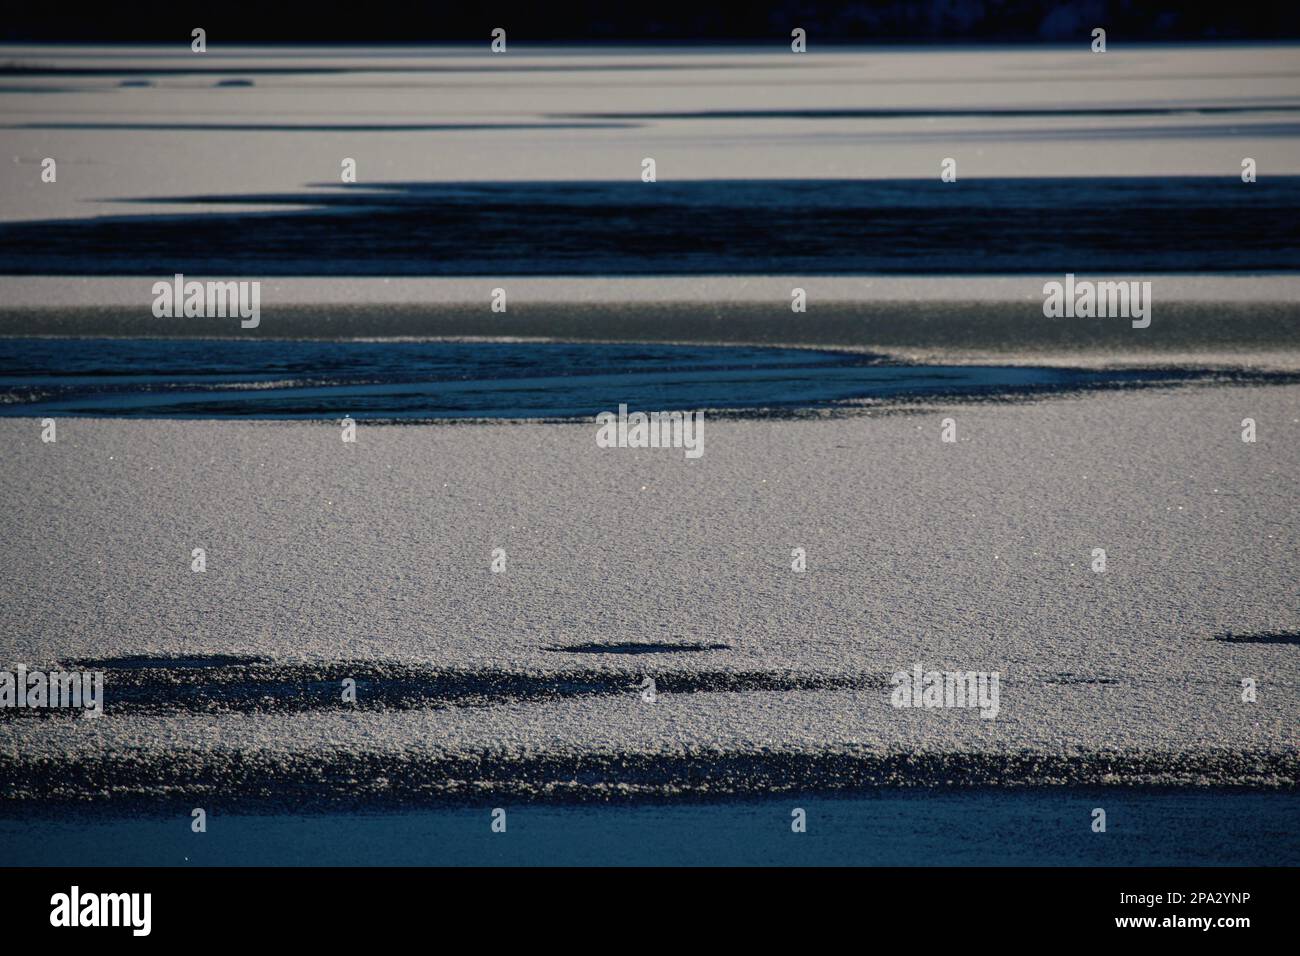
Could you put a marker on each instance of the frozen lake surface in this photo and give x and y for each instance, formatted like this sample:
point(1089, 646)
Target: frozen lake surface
point(370, 560)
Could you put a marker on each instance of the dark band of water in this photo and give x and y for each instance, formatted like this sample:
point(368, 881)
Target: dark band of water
point(274, 379)
point(694, 227)
point(888, 827)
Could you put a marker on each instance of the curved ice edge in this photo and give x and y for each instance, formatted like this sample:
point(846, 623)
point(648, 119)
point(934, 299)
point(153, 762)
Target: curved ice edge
point(422, 381)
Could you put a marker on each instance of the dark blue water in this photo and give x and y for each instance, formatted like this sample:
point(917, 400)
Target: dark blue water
point(1041, 827)
point(262, 378)
point(1128, 225)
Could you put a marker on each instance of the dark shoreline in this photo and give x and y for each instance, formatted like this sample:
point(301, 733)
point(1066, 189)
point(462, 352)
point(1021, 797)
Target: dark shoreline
point(138, 782)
